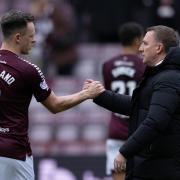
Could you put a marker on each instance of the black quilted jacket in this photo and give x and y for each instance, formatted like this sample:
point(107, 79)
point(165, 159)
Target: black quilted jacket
point(153, 147)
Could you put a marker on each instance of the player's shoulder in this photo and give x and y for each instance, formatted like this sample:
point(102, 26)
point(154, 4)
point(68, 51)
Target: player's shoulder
point(124, 59)
point(111, 61)
point(29, 68)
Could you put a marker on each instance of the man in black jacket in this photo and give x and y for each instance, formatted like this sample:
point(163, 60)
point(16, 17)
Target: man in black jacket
point(152, 150)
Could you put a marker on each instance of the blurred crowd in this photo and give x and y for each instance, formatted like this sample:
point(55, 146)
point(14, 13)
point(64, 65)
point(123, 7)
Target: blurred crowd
point(64, 24)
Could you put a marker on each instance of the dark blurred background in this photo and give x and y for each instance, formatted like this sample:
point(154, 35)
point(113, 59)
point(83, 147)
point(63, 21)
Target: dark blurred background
point(74, 38)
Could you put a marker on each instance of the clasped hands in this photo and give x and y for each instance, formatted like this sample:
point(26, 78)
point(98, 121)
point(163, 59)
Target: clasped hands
point(93, 88)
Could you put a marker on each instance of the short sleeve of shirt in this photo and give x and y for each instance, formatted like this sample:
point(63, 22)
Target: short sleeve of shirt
point(38, 85)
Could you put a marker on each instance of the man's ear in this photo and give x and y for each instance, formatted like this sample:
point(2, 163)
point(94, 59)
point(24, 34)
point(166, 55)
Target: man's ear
point(159, 48)
point(17, 37)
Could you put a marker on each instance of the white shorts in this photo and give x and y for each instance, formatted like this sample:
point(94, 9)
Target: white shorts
point(13, 169)
point(112, 149)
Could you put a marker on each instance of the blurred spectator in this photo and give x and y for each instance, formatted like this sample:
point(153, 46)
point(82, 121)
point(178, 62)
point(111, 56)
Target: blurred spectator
point(103, 17)
point(165, 13)
point(19, 5)
point(142, 12)
point(100, 19)
point(3, 6)
point(41, 9)
point(61, 42)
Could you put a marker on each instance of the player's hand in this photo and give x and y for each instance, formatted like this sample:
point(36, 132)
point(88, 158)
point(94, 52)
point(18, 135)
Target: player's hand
point(86, 84)
point(119, 163)
point(93, 88)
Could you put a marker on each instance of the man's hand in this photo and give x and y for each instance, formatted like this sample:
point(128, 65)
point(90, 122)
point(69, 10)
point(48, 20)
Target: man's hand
point(87, 83)
point(119, 163)
point(93, 88)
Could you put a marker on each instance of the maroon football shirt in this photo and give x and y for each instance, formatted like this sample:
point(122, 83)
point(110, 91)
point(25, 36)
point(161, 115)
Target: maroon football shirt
point(121, 75)
point(19, 80)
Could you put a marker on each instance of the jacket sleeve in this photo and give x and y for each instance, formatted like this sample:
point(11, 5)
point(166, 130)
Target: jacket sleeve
point(114, 102)
point(164, 102)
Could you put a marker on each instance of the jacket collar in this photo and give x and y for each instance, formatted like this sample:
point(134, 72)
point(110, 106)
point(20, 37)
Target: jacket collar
point(171, 61)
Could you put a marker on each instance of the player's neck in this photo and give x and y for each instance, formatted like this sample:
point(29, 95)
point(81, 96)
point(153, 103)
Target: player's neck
point(128, 50)
point(10, 47)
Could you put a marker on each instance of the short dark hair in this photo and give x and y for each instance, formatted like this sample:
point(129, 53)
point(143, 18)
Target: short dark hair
point(128, 32)
point(13, 21)
point(166, 35)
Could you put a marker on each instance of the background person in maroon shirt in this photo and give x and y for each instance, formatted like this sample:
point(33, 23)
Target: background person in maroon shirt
point(19, 80)
point(121, 75)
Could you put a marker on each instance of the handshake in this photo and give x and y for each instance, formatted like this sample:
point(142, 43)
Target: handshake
point(92, 88)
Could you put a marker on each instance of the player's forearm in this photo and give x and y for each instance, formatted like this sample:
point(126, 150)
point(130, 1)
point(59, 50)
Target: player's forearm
point(63, 103)
point(57, 104)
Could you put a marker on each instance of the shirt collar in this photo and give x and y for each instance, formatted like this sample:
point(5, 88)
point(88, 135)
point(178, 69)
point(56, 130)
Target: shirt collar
point(159, 62)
